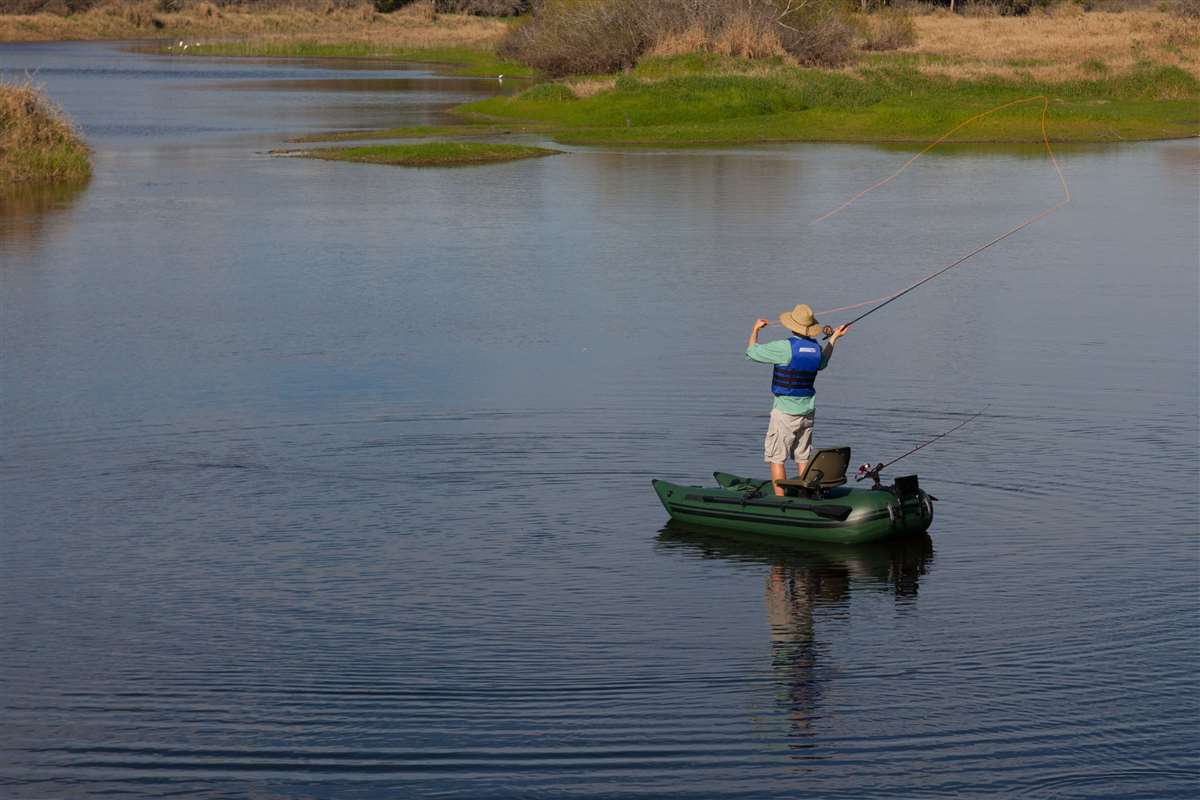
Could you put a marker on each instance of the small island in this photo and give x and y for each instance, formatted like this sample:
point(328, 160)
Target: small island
point(38, 143)
point(426, 154)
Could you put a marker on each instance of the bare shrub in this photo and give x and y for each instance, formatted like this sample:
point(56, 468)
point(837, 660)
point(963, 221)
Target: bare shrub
point(580, 37)
point(479, 8)
point(1003, 8)
point(139, 15)
point(980, 8)
point(890, 30)
point(388, 6)
point(816, 32)
point(422, 10)
point(484, 8)
point(586, 36)
point(1188, 9)
point(60, 7)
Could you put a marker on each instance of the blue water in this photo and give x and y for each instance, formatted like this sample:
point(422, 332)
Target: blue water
point(332, 480)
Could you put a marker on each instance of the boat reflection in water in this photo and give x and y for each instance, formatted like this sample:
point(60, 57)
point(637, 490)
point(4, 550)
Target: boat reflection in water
point(803, 579)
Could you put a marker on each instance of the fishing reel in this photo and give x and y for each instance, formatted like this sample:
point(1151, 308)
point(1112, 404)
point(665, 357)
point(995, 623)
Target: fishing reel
point(827, 330)
point(867, 471)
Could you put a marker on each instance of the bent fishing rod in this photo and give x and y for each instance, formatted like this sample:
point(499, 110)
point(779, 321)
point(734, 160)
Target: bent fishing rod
point(883, 301)
point(867, 471)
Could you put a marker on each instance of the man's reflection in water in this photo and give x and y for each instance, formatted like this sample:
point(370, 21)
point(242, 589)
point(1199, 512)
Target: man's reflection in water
point(791, 595)
point(803, 578)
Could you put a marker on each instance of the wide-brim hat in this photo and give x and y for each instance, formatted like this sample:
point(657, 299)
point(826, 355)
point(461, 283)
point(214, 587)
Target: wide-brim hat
point(800, 320)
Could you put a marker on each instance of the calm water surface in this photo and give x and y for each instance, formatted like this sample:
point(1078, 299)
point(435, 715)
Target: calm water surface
point(330, 480)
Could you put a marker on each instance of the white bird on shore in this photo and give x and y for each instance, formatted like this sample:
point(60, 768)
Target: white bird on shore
point(500, 77)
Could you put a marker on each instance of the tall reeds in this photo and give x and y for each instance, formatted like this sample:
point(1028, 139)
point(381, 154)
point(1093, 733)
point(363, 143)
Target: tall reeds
point(889, 30)
point(37, 141)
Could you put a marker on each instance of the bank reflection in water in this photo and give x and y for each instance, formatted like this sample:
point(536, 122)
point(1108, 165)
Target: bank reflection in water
point(29, 212)
point(801, 580)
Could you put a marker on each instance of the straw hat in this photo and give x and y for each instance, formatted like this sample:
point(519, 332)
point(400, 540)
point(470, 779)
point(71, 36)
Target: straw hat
point(800, 320)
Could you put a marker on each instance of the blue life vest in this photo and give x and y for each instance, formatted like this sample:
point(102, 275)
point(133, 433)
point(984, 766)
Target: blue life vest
point(796, 379)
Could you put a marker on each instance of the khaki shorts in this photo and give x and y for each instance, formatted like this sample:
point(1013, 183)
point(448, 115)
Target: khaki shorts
point(788, 436)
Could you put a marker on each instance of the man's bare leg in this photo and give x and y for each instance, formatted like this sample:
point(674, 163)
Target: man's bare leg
point(778, 473)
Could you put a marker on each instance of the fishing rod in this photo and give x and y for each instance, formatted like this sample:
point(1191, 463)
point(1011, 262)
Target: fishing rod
point(883, 301)
point(867, 471)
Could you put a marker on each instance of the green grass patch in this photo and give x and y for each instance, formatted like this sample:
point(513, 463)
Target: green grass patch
point(430, 154)
point(463, 60)
point(424, 132)
point(886, 102)
point(637, 103)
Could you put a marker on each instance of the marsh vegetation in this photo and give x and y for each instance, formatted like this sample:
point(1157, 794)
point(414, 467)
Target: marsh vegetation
point(719, 71)
point(293, 28)
point(427, 154)
point(37, 140)
point(702, 71)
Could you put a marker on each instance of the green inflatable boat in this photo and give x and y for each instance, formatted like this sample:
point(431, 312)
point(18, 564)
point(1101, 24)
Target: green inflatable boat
point(817, 507)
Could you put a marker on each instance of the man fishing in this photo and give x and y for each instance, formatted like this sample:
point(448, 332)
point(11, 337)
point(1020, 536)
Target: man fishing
point(797, 361)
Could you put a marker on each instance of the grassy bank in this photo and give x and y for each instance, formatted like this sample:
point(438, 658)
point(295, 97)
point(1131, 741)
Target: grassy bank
point(701, 99)
point(1110, 76)
point(428, 154)
point(300, 30)
point(413, 26)
point(1131, 75)
point(1125, 76)
point(460, 60)
point(37, 141)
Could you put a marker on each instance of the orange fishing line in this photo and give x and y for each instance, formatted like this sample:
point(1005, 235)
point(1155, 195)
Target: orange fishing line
point(882, 301)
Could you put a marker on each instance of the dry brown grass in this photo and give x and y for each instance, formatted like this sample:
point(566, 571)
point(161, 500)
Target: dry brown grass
point(37, 141)
point(889, 30)
point(747, 35)
point(586, 87)
point(416, 26)
point(742, 35)
point(1063, 44)
point(693, 39)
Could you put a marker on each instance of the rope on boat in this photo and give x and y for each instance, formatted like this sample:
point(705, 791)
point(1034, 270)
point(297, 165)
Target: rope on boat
point(880, 302)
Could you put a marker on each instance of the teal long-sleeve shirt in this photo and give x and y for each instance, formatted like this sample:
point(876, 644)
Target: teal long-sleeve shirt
point(780, 353)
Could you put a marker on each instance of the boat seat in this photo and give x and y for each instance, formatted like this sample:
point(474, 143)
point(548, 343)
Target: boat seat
point(824, 470)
